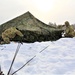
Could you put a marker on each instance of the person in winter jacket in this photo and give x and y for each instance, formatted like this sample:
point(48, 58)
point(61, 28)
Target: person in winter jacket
point(9, 34)
point(69, 31)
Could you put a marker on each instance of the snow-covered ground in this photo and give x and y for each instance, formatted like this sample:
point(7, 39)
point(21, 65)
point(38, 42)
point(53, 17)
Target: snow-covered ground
point(57, 59)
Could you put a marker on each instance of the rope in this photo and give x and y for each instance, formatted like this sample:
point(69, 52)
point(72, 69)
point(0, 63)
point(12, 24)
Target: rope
point(29, 61)
point(18, 47)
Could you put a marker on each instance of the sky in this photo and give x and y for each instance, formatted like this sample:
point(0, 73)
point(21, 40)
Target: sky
point(55, 11)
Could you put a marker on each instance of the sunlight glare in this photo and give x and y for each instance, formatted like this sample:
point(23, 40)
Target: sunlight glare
point(44, 5)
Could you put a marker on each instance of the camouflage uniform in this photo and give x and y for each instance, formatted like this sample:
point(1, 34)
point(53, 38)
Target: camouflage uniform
point(9, 34)
point(69, 32)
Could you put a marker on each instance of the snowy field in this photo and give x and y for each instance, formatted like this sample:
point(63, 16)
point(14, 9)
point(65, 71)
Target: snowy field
point(57, 59)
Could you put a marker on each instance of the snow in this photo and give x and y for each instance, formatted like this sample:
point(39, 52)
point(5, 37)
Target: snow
point(57, 59)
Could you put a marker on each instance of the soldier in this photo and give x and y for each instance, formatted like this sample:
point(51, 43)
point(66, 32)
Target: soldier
point(10, 33)
point(69, 31)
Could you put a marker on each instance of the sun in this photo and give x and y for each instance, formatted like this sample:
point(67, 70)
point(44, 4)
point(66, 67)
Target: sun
point(44, 5)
